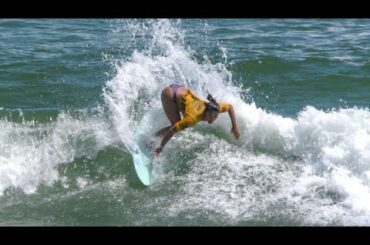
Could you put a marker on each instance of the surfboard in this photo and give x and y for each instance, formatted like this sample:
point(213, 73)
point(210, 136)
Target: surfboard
point(142, 157)
point(143, 165)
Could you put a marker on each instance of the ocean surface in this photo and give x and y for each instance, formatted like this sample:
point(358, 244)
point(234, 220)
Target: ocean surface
point(73, 92)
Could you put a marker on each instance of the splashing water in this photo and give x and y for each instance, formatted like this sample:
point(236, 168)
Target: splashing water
point(312, 169)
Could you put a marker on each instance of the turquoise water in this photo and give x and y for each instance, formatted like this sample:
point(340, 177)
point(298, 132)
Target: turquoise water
point(72, 92)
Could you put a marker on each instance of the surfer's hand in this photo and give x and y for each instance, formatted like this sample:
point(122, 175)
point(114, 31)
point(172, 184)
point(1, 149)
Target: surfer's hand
point(151, 145)
point(235, 132)
point(158, 150)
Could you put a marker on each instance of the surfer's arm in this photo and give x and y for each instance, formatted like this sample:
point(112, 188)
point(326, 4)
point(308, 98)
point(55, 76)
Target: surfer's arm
point(232, 116)
point(167, 136)
point(234, 129)
point(230, 109)
point(180, 125)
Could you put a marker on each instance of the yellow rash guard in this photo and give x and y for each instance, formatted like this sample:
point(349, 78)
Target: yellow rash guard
point(192, 109)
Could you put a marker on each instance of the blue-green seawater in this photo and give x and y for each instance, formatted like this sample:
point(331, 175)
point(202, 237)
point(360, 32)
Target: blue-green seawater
point(73, 91)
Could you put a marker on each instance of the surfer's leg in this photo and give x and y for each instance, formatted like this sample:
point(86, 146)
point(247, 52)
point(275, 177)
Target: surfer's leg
point(169, 107)
point(171, 111)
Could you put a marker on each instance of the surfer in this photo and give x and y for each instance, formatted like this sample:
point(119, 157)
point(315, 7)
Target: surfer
point(177, 98)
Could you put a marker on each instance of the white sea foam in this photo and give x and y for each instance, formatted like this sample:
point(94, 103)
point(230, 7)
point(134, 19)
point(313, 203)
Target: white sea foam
point(314, 168)
point(30, 153)
point(308, 169)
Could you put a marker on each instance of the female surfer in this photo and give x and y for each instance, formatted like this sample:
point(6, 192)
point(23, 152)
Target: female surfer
point(177, 98)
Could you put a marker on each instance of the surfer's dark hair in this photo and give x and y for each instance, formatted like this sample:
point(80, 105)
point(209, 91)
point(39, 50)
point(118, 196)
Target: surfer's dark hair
point(212, 105)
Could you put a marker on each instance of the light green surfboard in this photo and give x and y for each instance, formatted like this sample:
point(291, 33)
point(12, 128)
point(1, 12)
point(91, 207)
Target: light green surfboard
point(141, 154)
point(143, 164)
